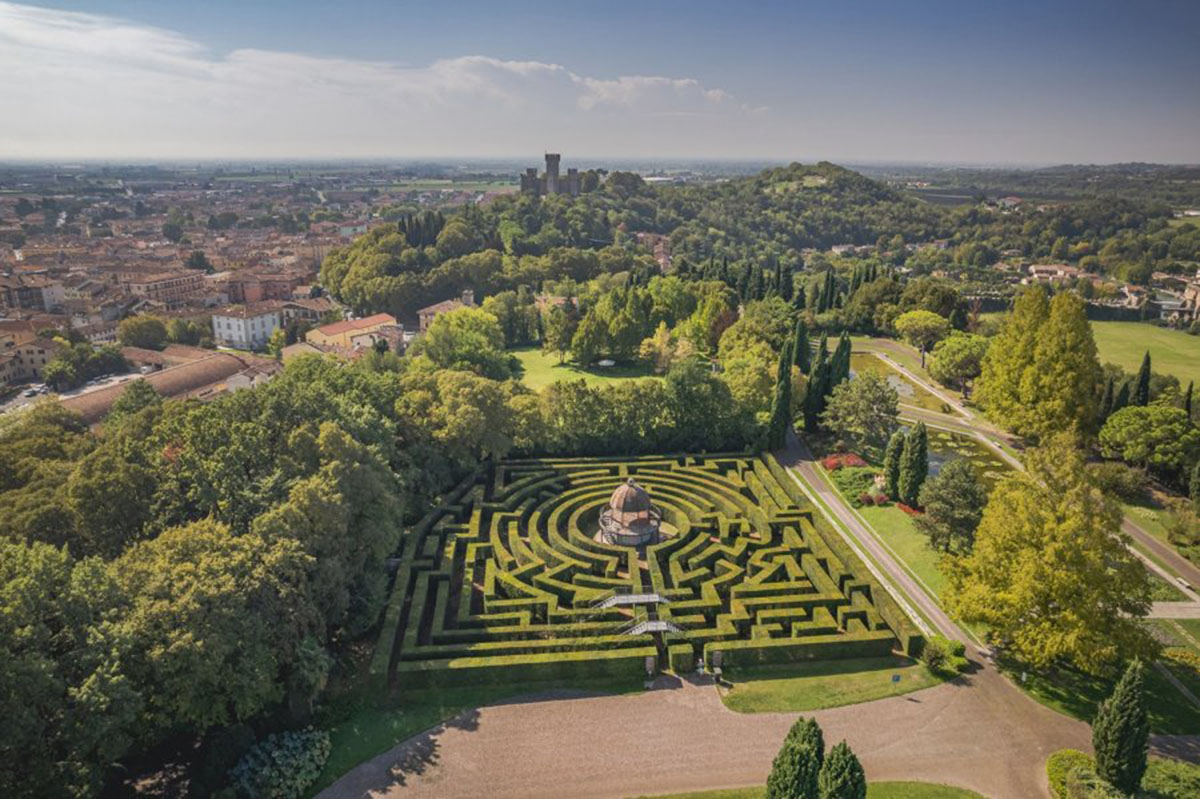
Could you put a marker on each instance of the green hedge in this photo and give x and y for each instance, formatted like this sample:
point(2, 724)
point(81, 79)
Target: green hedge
point(796, 650)
point(623, 663)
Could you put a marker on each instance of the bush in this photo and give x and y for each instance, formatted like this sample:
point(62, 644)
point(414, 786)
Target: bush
point(944, 657)
point(866, 498)
point(1062, 764)
point(282, 766)
point(1120, 480)
point(853, 482)
point(1171, 779)
point(946, 409)
point(834, 462)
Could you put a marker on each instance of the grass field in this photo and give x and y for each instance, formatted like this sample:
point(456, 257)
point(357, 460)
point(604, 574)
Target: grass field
point(910, 393)
point(1172, 352)
point(540, 369)
point(812, 686)
point(875, 790)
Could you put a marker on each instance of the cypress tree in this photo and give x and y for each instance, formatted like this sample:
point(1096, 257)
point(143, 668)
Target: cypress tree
point(786, 284)
point(794, 773)
point(830, 292)
point(1122, 399)
point(814, 399)
point(841, 358)
point(891, 465)
point(781, 404)
point(841, 775)
point(914, 464)
point(799, 301)
point(803, 355)
point(1106, 400)
point(1141, 391)
point(823, 347)
point(958, 318)
point(1187, 399)
point(1121, 732)
point(807, 732)
point(1194, 486)
point(779, 278)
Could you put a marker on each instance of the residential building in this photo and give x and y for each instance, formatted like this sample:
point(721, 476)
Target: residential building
point(425, 316)
point(170, 288)
point(247, 327)
point(339, 334)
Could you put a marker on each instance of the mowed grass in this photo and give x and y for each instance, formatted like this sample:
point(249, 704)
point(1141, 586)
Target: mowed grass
point(875, 790)
point(540, 369)
point(910, 393)
point(813, 686)
point(1172, 352)
point(898, 531)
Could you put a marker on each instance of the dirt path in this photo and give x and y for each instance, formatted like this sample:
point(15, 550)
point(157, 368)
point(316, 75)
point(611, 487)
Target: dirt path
point(978, 733)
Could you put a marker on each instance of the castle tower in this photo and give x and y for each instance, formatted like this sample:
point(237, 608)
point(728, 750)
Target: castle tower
point(552, 160)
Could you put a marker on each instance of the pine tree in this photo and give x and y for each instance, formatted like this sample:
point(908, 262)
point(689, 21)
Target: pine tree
point(914, 465)
point(1121, 732)
point(1141, 391)
point(1106, 400)
point(891, 465)
point(781, 404)
point(800, 348)
point(841, 775)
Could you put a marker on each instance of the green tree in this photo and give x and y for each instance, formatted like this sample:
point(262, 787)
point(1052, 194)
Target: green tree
point(558, 330)
point(1194, 486)
point(1121, 732)
point(137, 395)
point(953, 501)
point(1010, 354)
point(1141, 385)
point(797, 767)
point(145, 331)
point(781, 402)
point(468, 415)
point(842, 776)
point(891, 464)
point(198, 260)
point(815, 393)
point(914, 465)
point(1187, 398)
point(801, 347)
point(864, 410)
point(922, 329)
point(958, 359)
point(60, 375)
point(1158, 437)
point(1061, 388)
point(1051, 574)
point(277, 341)
point(111, 496)
point(468, 339)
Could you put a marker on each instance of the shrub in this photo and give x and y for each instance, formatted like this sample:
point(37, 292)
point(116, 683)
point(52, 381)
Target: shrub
point(841, 460)
point(866, 498)
point(282, 766)
point(1062, 765)
point(1172, 779)
point(944, 657)
point(1120, 479)
point(946, 409)
point(853, 482)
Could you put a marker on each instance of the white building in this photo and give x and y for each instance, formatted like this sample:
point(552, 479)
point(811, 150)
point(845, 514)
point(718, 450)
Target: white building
point(247, 327)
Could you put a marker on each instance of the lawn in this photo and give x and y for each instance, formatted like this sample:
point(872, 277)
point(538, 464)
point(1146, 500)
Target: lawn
point(898, 531)
point(372, 729)
point(539, 369)
point(812, 686)
point(1172, 352)
point(1077, 694)
point(875, 790)
point(910, 393)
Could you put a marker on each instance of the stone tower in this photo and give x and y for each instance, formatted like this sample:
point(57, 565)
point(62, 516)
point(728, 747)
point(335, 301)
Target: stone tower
point(552, 160)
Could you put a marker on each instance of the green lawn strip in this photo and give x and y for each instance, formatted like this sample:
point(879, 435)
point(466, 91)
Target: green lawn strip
point(540, 369)
point(875, 790)
point(812, 686)
point(373, 729)
point(1172, 352)
point(1077, 694)
point(910, 393)
point(1163, 591)
point(862, 552)
point(1192, 628)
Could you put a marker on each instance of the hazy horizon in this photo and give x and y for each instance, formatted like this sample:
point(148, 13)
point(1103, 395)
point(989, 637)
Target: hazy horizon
point(929, 84)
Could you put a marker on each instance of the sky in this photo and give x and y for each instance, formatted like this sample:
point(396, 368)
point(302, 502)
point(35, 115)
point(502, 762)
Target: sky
point(920, 81)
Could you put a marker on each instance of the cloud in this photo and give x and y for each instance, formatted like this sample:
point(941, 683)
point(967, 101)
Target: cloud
point(81, 84)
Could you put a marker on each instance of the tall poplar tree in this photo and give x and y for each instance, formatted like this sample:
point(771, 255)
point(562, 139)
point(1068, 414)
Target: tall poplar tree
point(1121, 732)
point(1141, 386)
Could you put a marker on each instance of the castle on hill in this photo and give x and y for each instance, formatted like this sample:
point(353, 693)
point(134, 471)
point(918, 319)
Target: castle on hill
point(550, 182)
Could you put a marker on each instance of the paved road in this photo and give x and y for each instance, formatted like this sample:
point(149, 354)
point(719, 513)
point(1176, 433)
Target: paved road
point(978, 732)
point(1175, 610)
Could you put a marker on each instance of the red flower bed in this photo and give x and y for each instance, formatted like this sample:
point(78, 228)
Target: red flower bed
point(908, 510)
point(834, 462)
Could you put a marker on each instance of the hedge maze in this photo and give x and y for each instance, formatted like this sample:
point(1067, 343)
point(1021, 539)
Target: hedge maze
point(506, 581)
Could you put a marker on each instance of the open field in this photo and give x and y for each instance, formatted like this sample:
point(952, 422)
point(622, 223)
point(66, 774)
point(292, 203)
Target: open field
point(812, 686)
point(875, 790)
point(910, 393)
point(540, 369)
point(1172, 352)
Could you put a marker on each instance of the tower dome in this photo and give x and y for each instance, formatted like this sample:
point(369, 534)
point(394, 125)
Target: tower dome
point(630, 518)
